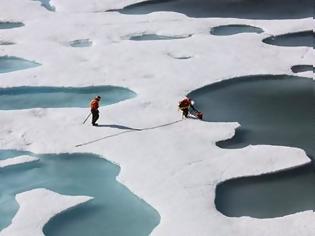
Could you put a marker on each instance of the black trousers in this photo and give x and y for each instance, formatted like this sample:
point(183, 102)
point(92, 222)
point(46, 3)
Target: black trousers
point(95, 116)
point(185, 112)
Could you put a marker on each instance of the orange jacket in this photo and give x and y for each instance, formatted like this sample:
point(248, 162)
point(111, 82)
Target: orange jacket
point(94, 104)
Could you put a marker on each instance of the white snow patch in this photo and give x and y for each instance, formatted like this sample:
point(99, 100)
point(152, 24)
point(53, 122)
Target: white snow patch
point(261, 159)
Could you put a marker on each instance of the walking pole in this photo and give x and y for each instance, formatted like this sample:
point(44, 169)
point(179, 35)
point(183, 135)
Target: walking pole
point(87, 118)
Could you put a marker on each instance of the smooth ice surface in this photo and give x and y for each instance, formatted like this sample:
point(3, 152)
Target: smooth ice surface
point(10, 25)
point(113, 211)
point(274, 110)
point(145, 37)
point(255, 9)
point(234, 29)
point(81, 43)
point(299, 39)
point(10, 64)
point(53, 97)
point(302, 68)
point(46, 4)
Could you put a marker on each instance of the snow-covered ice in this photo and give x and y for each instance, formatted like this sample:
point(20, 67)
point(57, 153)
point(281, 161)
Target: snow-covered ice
point(175, 167)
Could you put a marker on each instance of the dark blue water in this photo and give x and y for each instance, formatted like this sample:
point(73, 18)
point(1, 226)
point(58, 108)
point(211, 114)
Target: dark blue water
point(246, 9)
point(299, 39)
point(276, 110)
point(10, 64)
point(234, 29)
point(113, 211)
point(54, 97)
point(268, 195)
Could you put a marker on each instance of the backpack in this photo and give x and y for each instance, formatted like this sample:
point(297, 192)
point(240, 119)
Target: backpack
point(184, 103)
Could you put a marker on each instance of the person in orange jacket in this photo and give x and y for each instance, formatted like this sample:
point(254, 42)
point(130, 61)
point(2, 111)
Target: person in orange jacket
point(95, 103)
point(184, 106)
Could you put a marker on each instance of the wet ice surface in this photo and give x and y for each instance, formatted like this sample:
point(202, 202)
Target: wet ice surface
point(303, 39)
point(10, 64)
point(54, 97)
point(81, 43)
point(234, 29)
point(302, 68)
point(10, 25)
point(251, 9)
point(145, 37)
point(277, 110)
point(113, 211)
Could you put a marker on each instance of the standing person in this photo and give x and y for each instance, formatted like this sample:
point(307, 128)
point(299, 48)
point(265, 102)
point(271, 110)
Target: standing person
point(95, 103)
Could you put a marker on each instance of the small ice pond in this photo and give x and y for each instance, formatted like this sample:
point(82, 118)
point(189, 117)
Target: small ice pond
point(10, 64)
point(270, 195)
point(81, 43)
point(276, 110)
point(144, 37)
point(113, 211)
point(53, 97)
point(302, 68)
point(298, 39)
point(234, 29)
point(10, 25)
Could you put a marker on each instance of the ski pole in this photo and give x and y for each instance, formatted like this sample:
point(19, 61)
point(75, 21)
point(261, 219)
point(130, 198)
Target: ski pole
point(195, 110)
point(87, 118)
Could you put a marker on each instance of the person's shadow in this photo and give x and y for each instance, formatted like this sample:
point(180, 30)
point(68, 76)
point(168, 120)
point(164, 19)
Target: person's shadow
point(118, 127)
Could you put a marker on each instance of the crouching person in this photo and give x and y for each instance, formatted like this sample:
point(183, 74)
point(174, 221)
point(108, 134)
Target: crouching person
point(187, 104)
